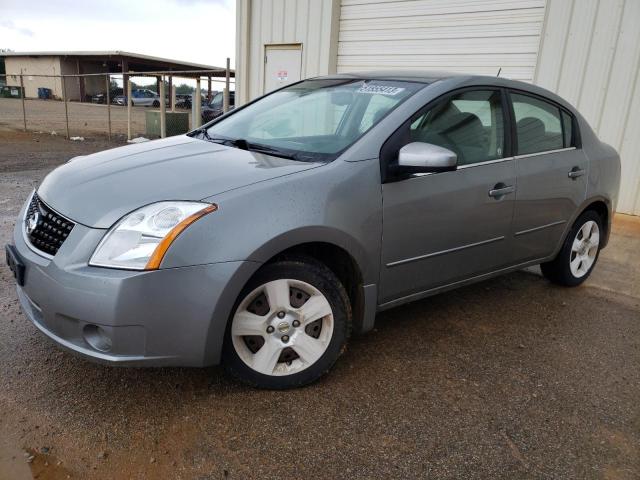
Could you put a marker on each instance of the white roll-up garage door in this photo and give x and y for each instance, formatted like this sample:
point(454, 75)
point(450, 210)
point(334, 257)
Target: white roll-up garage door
point(475, 36)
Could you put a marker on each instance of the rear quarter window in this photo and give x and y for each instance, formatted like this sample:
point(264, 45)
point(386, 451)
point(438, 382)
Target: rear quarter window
point(567, 130)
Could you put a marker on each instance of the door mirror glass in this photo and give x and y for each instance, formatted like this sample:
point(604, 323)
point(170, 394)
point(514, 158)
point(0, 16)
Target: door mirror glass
point(426, 157)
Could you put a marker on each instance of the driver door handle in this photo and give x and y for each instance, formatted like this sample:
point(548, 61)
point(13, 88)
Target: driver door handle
point(576, 172)
point(500, 190)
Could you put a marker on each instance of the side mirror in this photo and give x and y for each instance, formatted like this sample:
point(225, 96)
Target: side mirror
point(419, 157)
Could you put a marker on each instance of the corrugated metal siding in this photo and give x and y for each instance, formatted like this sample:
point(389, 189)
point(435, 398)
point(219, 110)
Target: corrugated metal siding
point(307, 22)
point(590, 55)
point(476, 36)
point(34, 66)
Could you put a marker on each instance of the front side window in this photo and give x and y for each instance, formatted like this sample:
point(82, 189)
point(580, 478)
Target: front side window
point(538, 125)
point(314, 119)
point(471, 124)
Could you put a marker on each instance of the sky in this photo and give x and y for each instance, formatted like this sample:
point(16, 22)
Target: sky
point(200, 31)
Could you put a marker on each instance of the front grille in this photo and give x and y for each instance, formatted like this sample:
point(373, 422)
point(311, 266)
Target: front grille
point(46, 229)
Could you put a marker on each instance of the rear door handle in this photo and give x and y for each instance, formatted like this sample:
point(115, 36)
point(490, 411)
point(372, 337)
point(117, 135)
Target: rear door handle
point(500, 190)
point(576, 172)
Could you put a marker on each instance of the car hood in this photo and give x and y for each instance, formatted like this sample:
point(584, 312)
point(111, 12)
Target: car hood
point(98, 189)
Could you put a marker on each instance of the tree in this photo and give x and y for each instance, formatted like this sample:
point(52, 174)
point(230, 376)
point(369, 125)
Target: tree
point(184, 89)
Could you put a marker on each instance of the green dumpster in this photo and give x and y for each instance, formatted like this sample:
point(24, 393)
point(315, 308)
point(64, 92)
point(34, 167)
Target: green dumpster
point(10, 91)
point(177, 123)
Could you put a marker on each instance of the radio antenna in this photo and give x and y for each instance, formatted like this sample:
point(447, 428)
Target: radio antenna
point(499, 70)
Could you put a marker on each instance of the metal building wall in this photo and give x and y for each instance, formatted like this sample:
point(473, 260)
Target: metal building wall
point(476, 36)
point(29, 66)
point(588, 51)
point(312, 23)
point(590, 55)
point(72, 85)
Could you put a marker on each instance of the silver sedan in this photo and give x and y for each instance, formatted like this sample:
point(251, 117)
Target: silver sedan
point(264, 239)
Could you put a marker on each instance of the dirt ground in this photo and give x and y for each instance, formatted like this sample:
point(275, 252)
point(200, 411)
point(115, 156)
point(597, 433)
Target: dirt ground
point(509, 378)
point(84, 118)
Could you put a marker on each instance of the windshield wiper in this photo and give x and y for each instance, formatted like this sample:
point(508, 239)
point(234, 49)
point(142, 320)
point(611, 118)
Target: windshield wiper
point(238, 143)
point(242, 144)
point(203, 131)
point(254, 147)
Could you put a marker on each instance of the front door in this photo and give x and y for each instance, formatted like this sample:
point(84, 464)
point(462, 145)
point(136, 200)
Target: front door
point(441, 228)
point(282, 66)
point(552, 176)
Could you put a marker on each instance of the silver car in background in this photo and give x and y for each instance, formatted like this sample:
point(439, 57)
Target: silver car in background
point(140, 97)
point(264, 239)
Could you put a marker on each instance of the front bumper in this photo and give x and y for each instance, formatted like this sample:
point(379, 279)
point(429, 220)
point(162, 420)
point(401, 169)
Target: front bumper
point(166, 317)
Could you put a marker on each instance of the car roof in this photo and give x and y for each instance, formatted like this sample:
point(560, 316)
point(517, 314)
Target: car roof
point(463, 79)
point(425, 76)
point(422, 76)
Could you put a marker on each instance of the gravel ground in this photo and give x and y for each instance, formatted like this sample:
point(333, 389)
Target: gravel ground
point(509, 378)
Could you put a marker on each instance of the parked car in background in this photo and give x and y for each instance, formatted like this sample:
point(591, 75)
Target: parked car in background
point(102, 97)
point(265, 238)
point(183, 100)
point(214, 108)
point(141, 97)
point(186, 100)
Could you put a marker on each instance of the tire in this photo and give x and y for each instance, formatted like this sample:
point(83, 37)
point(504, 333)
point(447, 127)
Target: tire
point(577, 258)
point(156, 104)
point(287, 342)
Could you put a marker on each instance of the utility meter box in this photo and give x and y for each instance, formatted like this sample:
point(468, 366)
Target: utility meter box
point(177, 123)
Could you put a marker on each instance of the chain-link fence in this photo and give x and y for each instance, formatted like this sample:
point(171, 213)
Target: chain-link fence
point(150, 104)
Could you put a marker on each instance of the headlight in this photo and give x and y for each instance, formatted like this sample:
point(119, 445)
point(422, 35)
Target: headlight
point(140, 239)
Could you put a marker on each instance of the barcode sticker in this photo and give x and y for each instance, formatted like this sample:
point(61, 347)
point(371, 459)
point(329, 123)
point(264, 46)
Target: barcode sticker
point(380, 90)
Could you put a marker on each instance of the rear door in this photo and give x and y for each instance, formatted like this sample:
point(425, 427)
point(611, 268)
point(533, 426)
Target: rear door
point(551, 171)
point(441, 228)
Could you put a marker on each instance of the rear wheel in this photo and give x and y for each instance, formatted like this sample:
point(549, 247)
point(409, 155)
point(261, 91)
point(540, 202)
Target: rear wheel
point(156, 103)
point(579, 254)
point(290, 325)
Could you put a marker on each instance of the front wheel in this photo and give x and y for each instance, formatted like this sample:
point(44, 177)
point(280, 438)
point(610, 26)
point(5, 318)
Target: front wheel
point(579, 254)
point(289, 326)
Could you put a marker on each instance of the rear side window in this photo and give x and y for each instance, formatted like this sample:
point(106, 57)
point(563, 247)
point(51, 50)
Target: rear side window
point(539, 125)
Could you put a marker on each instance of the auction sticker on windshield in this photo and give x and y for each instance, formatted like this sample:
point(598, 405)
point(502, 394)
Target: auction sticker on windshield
point(380, 89)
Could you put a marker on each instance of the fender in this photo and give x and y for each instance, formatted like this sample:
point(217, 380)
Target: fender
point(318, 234)
point(263, 254)
point(583, 206)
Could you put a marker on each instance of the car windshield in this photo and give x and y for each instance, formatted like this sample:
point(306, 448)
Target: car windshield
point(216, 101)
point(314, 120)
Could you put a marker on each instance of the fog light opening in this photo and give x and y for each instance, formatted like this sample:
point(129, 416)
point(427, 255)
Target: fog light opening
point(97, 337)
